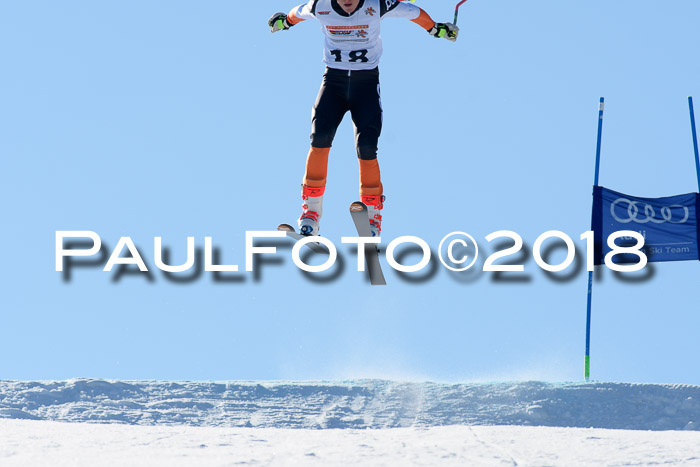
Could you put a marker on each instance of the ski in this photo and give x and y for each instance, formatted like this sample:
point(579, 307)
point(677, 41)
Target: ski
point(360, 217)
point(291, 233)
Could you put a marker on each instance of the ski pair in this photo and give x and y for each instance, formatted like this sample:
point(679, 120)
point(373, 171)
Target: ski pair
point(360, 218)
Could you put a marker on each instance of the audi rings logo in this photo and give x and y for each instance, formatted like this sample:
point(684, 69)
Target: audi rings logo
point(641, 213)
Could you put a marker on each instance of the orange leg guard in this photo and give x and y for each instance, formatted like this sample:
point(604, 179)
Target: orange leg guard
point(316, 167)
point(370, 178)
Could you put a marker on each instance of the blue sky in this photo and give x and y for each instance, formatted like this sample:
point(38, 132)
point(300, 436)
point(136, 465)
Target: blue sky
point(173, 119)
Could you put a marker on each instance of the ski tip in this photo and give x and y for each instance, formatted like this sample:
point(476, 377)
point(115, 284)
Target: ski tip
point(358, 206)
point(285, 228)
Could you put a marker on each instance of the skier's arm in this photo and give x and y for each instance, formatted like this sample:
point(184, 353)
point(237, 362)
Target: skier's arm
point(280, 21)
point(420, 17)
point(423, 20)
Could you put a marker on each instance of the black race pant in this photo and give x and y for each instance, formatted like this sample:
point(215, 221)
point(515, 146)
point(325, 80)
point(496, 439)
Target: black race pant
point(358, 92)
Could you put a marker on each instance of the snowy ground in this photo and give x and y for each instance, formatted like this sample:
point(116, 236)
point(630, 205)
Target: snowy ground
point(365, 422)
point(30, 443)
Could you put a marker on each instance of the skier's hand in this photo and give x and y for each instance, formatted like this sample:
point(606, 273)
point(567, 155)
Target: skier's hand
point(447, 30)
point(278, 22)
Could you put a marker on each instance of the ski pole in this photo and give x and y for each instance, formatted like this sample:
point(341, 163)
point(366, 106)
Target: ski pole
point(457, 11)
point(695, 138)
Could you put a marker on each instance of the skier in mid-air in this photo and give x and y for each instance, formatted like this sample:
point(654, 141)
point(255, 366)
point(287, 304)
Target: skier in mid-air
point(353, 47)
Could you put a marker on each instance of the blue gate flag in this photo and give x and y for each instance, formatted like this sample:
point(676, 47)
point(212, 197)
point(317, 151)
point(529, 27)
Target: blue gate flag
point(669, 225)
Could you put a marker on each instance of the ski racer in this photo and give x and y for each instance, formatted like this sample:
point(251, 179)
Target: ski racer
point(353, 46)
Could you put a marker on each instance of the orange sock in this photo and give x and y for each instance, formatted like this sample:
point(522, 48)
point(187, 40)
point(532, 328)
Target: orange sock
point(370, 178)
point(316, 167)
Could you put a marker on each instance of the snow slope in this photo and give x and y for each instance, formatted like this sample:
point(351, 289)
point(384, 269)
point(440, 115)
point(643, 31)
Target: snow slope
point(355, 404)
point(365, 422)
point(32, 443)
